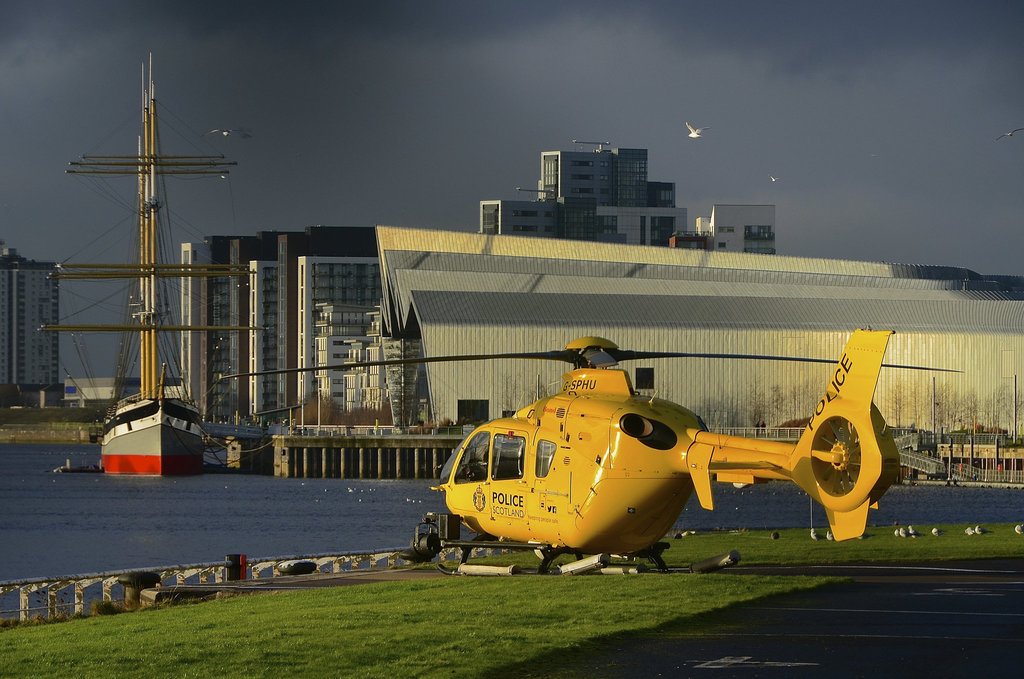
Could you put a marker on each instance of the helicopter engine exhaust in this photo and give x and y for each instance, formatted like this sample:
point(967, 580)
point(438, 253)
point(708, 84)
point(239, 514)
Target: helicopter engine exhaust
point(649, 432)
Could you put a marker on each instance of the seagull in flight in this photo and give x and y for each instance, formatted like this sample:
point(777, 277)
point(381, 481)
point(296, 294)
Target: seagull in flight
point(240, 132)
point(773, 178)
point(1009, 134)
point(695, 132)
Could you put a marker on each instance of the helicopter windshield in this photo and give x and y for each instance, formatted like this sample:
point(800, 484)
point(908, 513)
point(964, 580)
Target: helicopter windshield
point(473, 463)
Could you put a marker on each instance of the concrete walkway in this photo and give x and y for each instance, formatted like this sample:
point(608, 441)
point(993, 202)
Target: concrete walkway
point(963, 619)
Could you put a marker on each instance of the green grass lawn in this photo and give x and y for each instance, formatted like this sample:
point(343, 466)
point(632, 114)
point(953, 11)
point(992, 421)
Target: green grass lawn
point(457, 626)
point(445, 627)
point(795, 546)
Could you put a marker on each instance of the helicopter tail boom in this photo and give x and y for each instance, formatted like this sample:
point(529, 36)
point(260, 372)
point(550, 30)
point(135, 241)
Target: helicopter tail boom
point(845, 458)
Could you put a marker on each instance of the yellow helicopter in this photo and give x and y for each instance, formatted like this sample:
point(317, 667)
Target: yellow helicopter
point(599, 469)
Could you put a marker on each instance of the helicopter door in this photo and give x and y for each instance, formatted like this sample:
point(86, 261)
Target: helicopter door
point(547, 498)
point(508, 491)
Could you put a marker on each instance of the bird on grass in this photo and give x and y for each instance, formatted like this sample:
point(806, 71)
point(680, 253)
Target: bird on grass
point(814, 533)
point(937, 532)
point(912, 532)
point(1018, 529)
point(695, 132)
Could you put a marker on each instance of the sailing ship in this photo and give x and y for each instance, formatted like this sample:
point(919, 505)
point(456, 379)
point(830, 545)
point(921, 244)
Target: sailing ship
point(158, 431)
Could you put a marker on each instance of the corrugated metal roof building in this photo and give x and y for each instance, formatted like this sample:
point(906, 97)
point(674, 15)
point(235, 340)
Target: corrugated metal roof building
point(464, 293)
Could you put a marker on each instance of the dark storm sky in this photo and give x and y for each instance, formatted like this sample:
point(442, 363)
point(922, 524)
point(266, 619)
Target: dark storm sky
point(880, 119)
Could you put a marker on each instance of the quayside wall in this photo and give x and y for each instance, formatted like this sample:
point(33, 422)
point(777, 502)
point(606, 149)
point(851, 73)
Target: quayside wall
point(412, 456)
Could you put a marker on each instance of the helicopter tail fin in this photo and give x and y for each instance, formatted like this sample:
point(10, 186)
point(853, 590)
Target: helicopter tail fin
point(846, 458)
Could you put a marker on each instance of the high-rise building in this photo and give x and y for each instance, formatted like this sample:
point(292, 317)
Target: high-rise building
point(337, 299)
point(349, 333)
point(29, 299)
point(601, 195)
point(731, 228)
point(290, 274)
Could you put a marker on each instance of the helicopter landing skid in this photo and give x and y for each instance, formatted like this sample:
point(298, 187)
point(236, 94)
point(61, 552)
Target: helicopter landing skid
point(653, 554)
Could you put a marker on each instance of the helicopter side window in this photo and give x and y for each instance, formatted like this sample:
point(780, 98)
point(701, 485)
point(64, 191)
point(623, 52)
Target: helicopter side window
point(545, 454)
point(507, 457)
point(473, 465)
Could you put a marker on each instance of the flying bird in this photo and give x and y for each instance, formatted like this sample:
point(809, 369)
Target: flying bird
point(773, 178)
point(238, 132)
point(695, 132)
point(1004, 134)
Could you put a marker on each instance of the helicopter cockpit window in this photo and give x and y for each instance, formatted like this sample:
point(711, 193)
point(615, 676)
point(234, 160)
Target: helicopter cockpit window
point(545, 454)
point(507, 457)
point(473, 464)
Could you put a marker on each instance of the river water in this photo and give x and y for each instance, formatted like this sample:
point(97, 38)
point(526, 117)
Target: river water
point(61, 524)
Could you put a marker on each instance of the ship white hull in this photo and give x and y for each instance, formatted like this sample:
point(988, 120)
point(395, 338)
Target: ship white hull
point(155, 437)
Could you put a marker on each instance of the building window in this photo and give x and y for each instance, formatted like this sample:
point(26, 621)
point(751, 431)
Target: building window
point(472, 410)
point(644, 378)
point(758, 232)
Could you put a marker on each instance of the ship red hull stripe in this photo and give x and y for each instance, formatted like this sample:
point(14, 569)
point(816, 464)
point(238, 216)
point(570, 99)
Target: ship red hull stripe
point(170, 465)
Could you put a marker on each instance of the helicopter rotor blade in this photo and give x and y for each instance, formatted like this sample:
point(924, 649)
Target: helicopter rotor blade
point(627, 355)
point(561, 355)
point(593, 357)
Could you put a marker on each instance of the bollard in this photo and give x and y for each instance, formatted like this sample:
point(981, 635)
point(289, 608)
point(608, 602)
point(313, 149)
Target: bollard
point(134, 583)
point(300, 567)
point(235, 567)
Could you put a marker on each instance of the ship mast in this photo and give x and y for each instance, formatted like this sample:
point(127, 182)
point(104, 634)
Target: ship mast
point(148, 206)
point(148, 164)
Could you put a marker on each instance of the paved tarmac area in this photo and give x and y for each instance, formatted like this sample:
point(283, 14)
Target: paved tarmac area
point(936, 621)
